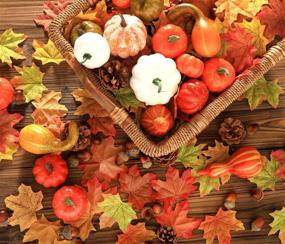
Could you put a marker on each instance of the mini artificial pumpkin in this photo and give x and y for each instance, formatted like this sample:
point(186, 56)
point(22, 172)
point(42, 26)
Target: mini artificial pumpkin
point(92, 50)
point(170, 40)
point(82, 28)
point(147, 10)
point(126, 35)
point(189, 65)
point(157, 120)
point(155, 79)
point(123, 4)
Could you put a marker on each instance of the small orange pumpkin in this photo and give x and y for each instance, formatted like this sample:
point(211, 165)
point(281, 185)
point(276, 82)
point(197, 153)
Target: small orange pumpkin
point(126, 35)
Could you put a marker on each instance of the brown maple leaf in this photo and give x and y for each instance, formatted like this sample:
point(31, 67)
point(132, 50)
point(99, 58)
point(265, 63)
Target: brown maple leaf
point(217, 154)
point(25, 206)
point(45, 232)
point(104, 125)
point(88, 104)
point(136, 234)
point(220, 226)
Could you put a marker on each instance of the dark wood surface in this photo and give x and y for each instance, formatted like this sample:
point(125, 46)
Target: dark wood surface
point(19, 15)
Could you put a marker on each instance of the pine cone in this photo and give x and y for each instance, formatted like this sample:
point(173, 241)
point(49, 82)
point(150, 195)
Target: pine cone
point(232, 131)
point(84, 140)
point(114, 75)
point(166, 160)
point(166, 235)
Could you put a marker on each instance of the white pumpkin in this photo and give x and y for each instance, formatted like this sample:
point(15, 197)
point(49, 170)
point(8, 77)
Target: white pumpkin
point(126, 35)
point(155, 79)
point(92, 50)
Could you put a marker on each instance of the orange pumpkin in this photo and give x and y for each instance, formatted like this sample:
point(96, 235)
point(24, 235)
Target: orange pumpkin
point(126, 35)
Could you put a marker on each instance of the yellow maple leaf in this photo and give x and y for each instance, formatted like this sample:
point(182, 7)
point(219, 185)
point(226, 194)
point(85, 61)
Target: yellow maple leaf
point(232, 8)
point(256, 29)
point(217, 154)
point(88, 104)
point(9, 46)
point(25, 206)
point(45, 232)
point(47, 53)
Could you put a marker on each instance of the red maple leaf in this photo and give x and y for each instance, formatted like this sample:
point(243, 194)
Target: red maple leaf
point(138, 187)
point(272, 16)
point(174, 188)
point(240, 49)
point(51, 10)
point(279, 155)
point(178, 220)
point(104, 125)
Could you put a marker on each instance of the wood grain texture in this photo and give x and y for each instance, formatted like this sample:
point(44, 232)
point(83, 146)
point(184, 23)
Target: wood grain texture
point(19, 15)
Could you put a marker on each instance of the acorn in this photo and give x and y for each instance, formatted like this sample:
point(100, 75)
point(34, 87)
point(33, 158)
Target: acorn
point(4, 216)
point(257, 224)
point(230, 202)
point(147, 213)
point(157, 208)
point(257, 194)
point(146, 162)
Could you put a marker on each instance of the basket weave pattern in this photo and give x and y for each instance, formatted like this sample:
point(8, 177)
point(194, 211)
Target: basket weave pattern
point(186, 131)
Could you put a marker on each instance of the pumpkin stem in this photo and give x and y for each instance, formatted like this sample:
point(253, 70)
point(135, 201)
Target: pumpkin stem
point(123, 21)
point(223, 71)
point(49, 167)
point(158, 82)
point(173, 38)
point(86, 57)
point(69, 202)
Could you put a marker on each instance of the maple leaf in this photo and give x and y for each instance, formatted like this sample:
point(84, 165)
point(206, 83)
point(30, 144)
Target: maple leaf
point(114, 209)
point(44, 231)
point(174, 188)
point(256, 29)
point(220, 226)
point(207, 184)
point(102, 124)
point(232, 8)
point(31, 82)
point(278, 224)
point(47, 53)
point(137, 187)
point(51, 10)
point(127, 98)
point(25, 206)
point(9, 46)
point(178, 220)
point(217, 154)
point(267, 178)
point(88, 104)
point(135, 234)
point(263, 90)
point(240, 50)
point(9, 136)
point(279, 155)
point(272, 16)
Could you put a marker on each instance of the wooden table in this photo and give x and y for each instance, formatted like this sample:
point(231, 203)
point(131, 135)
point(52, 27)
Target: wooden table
point(19, 15)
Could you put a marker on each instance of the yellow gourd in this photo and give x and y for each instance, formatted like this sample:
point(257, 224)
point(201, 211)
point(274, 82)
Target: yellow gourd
point(37, 139)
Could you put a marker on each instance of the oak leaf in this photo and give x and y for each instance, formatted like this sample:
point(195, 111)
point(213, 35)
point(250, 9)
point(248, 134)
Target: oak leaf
point(51, 10)
point(272, 16)
point(220, 226)
point(264, 90)
point(240, 49)
point(9, 46)
point(232, 8)
point(117, 211)
point(278, 224)
point(104, 125)
point(9, 136)
point(46, 53)
point(24, 207)
point(137, 187)
point(127, 98)
point(88, 104)
point(256, 29)
point(136, 234)
point(31, 82)
point(45, 232)
point(174, 188)
point(217, 154)
point(178, 220)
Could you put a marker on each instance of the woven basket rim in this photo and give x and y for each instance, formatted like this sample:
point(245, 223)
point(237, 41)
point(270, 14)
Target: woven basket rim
point(186, 131)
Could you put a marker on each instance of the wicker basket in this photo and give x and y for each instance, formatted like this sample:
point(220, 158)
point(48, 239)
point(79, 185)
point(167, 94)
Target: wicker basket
point(186, 131)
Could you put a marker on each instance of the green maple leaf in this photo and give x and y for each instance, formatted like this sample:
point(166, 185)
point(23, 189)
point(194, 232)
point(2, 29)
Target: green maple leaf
point(267, 178)
point(9, 46)
point(32, 82)
point(127, 98)
point(264, 90)
point(118, 211)
point(207, 184)
point(278, 224)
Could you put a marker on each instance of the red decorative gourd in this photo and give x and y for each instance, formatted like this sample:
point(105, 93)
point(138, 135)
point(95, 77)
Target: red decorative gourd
point(246, 162)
